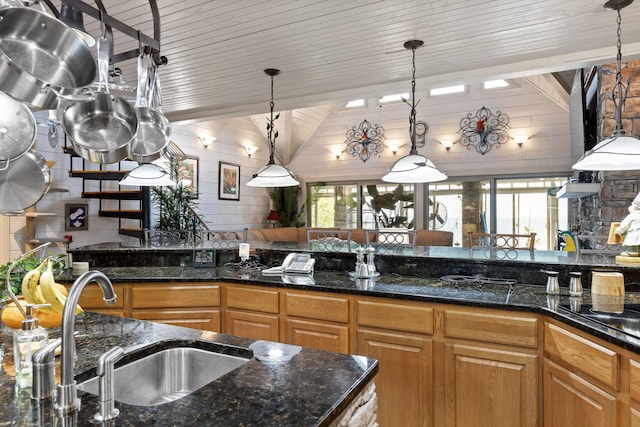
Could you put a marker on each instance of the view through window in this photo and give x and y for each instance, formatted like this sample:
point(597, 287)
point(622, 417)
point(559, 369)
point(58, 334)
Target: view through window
point(522, 206)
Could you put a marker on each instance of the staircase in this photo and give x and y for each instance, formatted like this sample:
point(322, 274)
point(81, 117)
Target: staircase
point(132, 220)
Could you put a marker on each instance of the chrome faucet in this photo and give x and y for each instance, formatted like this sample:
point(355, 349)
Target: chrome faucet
point(67, 397)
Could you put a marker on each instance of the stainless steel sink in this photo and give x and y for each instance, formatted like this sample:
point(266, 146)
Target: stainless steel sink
point(168, 374)
point(628, 321)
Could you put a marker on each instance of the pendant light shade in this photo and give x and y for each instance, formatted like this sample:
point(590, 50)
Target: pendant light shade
point(272, 175)
point(618, 152)
point(148, 175)
point(413, 168)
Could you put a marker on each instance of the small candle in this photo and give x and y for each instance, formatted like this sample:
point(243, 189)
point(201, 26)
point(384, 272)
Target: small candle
point(244, 251)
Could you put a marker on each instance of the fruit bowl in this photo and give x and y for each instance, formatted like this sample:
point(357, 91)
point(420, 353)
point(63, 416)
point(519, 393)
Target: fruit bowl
point(12, 317)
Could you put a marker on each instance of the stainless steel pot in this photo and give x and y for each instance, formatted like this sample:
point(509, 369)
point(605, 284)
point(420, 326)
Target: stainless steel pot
point(101, 130)
point(154, 129)
point(24, 182)
point(41, 58)
point(17, 130)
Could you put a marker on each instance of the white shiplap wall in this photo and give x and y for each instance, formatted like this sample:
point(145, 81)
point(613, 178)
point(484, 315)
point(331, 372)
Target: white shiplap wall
point(548, 151)
point(529, 111)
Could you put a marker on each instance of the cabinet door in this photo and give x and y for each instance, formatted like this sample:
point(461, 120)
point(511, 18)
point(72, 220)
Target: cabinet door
point(318, 335)
point(259, 326)
point(208, 320)
point(572, 401)
point(404, 380)
point(490, 387)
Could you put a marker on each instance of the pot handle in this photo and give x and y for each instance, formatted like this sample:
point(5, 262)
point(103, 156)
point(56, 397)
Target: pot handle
point(6, 166)
point(85, 95)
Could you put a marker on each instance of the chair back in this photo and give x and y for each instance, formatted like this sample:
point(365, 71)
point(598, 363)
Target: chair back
point(329, 240)
point(502, 241)
point(168, 237)
point(389, 241)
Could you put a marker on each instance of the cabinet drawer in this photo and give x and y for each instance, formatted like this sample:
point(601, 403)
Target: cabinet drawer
point(175, 295)
point(93, 297)
point(252, 299)
point(334, 309)
point(582, 356)
point(196, 319)
point(491, 327)
point(402, 317)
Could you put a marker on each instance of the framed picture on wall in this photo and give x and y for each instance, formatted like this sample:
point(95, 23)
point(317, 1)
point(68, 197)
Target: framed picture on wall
point(76, 216)
point(229, 181)
point(188, 173)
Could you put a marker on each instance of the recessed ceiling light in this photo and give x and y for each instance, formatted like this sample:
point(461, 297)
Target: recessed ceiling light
point(355, 103)
point(393, 98)
point(447, 90)
point(492, 84)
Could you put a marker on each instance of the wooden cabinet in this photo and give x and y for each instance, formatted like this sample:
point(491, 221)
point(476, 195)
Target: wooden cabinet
point(251, 312)
point(194, 305)
point(92, 299)
point(317, 320)
point(490, 387)
point(570, 400)
point(582, 381)
point(398, 335)
point(490, 366)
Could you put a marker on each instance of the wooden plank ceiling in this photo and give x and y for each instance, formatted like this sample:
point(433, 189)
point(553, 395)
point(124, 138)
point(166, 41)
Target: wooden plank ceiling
point(332, 51)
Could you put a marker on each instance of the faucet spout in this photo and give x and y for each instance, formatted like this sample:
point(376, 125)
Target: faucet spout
point(67, 397)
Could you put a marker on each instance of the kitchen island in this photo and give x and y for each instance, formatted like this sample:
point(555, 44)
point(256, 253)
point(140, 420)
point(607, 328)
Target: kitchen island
point(312, 389)
point(460, 336)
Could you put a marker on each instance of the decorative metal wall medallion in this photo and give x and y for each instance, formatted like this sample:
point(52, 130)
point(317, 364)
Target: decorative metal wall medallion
point(365, 140)
point(483, 129)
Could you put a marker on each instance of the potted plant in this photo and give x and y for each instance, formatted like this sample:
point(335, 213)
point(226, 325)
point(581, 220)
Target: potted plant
point(176, 204)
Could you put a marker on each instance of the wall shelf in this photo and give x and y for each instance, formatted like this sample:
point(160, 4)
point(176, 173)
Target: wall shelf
point(575, 190)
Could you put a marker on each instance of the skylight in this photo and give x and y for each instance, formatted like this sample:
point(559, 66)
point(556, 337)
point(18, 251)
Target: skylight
point(447, 90)
point(393, 98)
point(355, 103)
point(492, 84)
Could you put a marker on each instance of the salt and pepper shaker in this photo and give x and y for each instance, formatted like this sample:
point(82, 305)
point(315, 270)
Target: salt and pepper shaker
point(359, 257)
point(553, 288)
point(575, 284)
point(371, 267)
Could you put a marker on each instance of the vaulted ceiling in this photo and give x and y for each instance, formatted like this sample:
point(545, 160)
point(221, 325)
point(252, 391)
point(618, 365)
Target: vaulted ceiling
point(334, 50)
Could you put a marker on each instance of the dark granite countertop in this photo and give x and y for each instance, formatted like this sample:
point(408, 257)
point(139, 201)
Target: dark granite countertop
point(517, 297)
point(309, 390)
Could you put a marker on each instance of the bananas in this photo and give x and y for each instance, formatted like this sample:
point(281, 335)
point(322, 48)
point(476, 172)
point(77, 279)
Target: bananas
point(40, 287)
point(30, 290)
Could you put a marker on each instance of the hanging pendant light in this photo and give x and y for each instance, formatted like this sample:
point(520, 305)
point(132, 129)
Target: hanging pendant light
point(618, 152)
point(414, 167)
point(272, 175)
point(148, 175)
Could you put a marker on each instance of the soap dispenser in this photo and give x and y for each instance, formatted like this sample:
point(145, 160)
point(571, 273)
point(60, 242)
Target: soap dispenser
point(26, 341)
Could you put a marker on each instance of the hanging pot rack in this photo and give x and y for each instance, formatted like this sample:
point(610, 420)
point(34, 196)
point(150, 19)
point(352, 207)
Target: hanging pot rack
point(152, 44)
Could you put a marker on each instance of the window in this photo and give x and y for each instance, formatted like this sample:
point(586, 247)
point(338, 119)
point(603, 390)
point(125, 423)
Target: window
point(492, 205)
point(371, 206)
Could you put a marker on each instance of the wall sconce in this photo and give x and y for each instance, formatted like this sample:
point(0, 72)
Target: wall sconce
point(521, 138)
point(394, 148)
point(447, 143)
point(336, 152)
point(250, 149)
point(207, 140)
